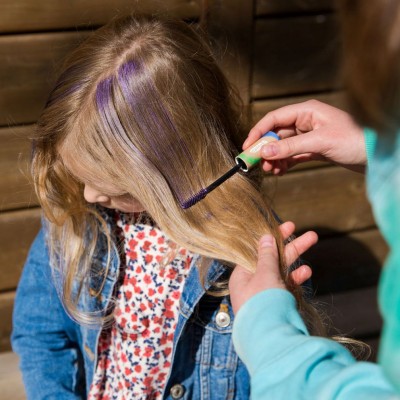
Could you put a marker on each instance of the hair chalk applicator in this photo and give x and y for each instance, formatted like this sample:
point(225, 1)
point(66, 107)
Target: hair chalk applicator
point(244, 162)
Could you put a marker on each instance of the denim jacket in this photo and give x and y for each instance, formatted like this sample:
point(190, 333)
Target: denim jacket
point(58, 357)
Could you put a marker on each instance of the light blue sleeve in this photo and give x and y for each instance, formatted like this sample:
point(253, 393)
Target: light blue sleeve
point(370, 139)
point(285, 362)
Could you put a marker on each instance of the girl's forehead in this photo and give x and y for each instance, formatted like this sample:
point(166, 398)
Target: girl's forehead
point(88, 172)
point(76, 165)
point(70, 159)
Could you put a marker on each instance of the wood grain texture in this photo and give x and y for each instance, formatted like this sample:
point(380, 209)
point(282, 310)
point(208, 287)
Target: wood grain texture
point(11, 385)
point(325, 199)
point(28, 71)
point(347, 261)
point(261, 107)
point(16, 190)
point(295, 55)
point(273, 7)
point(6, 307)
point(17, 231)
point(230, 26)
point(27, 15)
point(32, 62)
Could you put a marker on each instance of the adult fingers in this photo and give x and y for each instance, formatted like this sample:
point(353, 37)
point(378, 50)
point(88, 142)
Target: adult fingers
point(268, 260)
point(275, 166)
point(298, 246)
point(281, 118)
point(301, 274)
point(287, 228)
point(295, 115)
point(243, 285)
point(239, 278)
point(240, 287)
point(292, 146)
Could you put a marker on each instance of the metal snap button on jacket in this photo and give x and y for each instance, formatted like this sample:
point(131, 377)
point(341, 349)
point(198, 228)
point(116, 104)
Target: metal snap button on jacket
point(177, 391)
point(223, 319)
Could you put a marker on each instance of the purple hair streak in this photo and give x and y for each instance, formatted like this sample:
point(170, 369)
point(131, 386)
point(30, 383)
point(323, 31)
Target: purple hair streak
point(162, 142)
point(109, 116)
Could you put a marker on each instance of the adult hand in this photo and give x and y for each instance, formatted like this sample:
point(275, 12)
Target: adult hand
point(310, 131)
point(244, 284)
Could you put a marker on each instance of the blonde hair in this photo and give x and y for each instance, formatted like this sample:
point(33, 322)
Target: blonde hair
point(371, 58)
point(142, 104)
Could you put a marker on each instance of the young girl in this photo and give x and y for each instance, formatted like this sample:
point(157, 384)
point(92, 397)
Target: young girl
point(138, 122)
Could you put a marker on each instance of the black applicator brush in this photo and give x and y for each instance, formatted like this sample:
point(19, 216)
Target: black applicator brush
point(244, 162)
point(191, 201)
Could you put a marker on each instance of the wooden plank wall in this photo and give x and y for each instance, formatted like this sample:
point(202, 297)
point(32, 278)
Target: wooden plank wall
point(276, 53)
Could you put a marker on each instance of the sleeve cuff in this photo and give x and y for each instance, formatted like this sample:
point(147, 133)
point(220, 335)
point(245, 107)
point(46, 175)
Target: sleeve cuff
point(269, 314)
point(370, 143)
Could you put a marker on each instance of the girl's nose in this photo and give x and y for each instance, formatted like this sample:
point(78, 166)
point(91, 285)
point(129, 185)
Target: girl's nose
point(94, 196)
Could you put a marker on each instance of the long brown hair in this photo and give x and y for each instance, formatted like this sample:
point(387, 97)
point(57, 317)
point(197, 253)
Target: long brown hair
point(143, 104)
point(371, 37)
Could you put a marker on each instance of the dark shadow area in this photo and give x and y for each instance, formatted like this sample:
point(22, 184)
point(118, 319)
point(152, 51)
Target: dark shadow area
point(341, 263)
point(344, 281)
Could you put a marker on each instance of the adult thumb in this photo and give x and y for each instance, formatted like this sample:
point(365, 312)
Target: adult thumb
point(268, 258)
point(288, 147)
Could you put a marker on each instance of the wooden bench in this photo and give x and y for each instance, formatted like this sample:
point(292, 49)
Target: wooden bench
point(11, 386)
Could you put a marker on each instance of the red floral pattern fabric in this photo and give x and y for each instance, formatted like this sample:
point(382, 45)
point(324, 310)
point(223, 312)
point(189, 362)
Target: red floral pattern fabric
point(135, 354)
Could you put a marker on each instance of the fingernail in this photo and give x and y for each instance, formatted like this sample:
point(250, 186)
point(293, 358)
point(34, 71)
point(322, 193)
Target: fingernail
point(267, 241)
point(245, 143)
point(269, 150)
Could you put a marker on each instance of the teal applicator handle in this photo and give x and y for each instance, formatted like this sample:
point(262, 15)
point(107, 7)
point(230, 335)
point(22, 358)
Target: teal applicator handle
point(251, 156)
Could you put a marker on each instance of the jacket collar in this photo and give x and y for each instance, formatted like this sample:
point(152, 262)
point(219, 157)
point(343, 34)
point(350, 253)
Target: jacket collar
point(194, 289)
